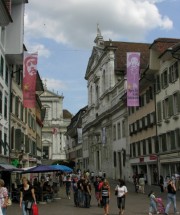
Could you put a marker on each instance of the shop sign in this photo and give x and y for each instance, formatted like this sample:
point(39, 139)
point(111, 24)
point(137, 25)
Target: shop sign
point(153, 157)
point(141, 160)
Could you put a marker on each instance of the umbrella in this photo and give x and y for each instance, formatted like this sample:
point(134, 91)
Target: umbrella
point(62, 168)
point(8, 167)
point(41, 168)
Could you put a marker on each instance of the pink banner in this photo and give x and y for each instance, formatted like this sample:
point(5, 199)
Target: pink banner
point(133, 66)
point(29, 79)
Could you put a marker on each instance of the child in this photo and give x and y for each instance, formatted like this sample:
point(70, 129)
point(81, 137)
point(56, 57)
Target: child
point(152, 206)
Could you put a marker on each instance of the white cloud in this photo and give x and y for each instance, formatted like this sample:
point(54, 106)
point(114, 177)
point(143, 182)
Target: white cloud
point(73, 22)
point(41, 49)
point(54, 84)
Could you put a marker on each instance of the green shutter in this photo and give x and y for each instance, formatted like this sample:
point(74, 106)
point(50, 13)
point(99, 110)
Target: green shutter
point(18, 139)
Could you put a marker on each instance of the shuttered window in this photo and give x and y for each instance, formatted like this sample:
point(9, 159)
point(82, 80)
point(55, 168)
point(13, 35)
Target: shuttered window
point(177, 136)
point(144, 147)
point(18, 139)
point(1, 102)
point(163, 142)
point(150, 145)
point(158, 84)
point(16, 106)
point(173, 72)
point(5, 107)
point(159, 111)
point(2, 66)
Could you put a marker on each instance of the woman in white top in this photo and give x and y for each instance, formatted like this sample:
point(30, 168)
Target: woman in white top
point(121, 190)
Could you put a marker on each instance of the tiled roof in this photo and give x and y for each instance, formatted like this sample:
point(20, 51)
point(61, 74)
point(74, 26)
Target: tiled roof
point(162, 44)
point(123, 47)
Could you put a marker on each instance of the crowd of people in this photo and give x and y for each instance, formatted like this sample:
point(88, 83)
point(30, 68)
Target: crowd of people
point(83, 186)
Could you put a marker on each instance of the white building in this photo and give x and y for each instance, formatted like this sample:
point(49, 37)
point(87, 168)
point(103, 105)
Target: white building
point(55, 126)
point(105, 124)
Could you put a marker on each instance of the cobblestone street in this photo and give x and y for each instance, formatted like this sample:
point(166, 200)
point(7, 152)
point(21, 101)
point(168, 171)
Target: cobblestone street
point(136, 204)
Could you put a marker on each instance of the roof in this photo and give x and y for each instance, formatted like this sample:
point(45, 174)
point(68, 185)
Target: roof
point(162, 44)
point(123, 47)
point(67, 114)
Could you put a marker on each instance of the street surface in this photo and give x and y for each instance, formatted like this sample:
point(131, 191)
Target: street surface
point(136, 204)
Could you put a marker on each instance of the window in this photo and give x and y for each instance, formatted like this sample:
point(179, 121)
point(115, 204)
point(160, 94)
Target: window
point(97, 95)
point(22, 112)
point(1, 102)
point(166, 108)
point(2, 66)
point(5, 107)
point(159, 111)
point(164, 79)
point(123, 128)
point(45, 152)
point(119, 131)
point(156, 144)
point(150, 145)
point(139, 148)
point(151, 93)
point(163, 142)
point(12, 138)
point(172, 140)
point(7, 76)
point(173, 72)
point(158, 84)
point(5, 143)
point(177, 136)
point(115, 160)
point(144, 147)
point(114, 132)
point(176, 103)
point(0, 141)
point(134, 149)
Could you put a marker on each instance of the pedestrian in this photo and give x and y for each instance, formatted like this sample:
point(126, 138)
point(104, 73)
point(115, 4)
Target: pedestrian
point(97, 190)
point(161, 183)
point(68, 186)
point(153, 203)
point(141, 183)
point(87, 193)
point(75, 190)
point(27, 197)
point(135, 181)
point(80, 191)
point(121, 190)
point(171, 197)
point(3, 197)
point(105, 196)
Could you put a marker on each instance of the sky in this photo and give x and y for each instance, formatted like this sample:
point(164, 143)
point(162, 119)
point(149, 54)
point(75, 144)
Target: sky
point(63, 33)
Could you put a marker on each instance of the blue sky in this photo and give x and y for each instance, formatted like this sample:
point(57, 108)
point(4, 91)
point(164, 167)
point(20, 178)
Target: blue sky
point(63, 33)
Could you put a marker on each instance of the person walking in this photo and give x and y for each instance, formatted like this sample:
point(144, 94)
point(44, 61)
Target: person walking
point(3, 197)
point(68, 186)
point(121, 190)
point(105, 196)
point(27, 197)
point(87, 193)
point(141, 183)
point(171, 197)
point(97, 191)
point(153, 203)
point(161, 183)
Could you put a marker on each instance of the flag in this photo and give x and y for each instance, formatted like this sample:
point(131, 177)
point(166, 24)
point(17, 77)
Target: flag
point(133, 66)
point(29, 79)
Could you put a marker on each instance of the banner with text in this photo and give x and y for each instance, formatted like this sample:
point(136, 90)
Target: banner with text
point(29, 79)
point(133, 66)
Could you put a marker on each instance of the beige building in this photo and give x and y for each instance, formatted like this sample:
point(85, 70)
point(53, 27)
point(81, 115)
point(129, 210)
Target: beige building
point(166, 68)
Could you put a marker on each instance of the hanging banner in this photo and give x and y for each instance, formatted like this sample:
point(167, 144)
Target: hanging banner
point(29, 79)
point(79, 131)
point(133, 66)
point(103, 136)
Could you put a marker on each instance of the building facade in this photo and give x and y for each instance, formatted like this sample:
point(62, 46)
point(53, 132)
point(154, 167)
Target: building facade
point(105, 123)
point(11, 51)
point(166, 69)
point(55, 127)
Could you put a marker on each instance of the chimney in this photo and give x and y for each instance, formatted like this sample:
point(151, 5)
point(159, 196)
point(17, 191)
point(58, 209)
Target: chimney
point(8, 5)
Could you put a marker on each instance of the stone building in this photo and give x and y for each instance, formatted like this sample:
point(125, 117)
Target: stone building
point(105, 123)
point(55, 127)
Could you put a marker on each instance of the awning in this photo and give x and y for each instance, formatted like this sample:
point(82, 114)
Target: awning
point(8, 167)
